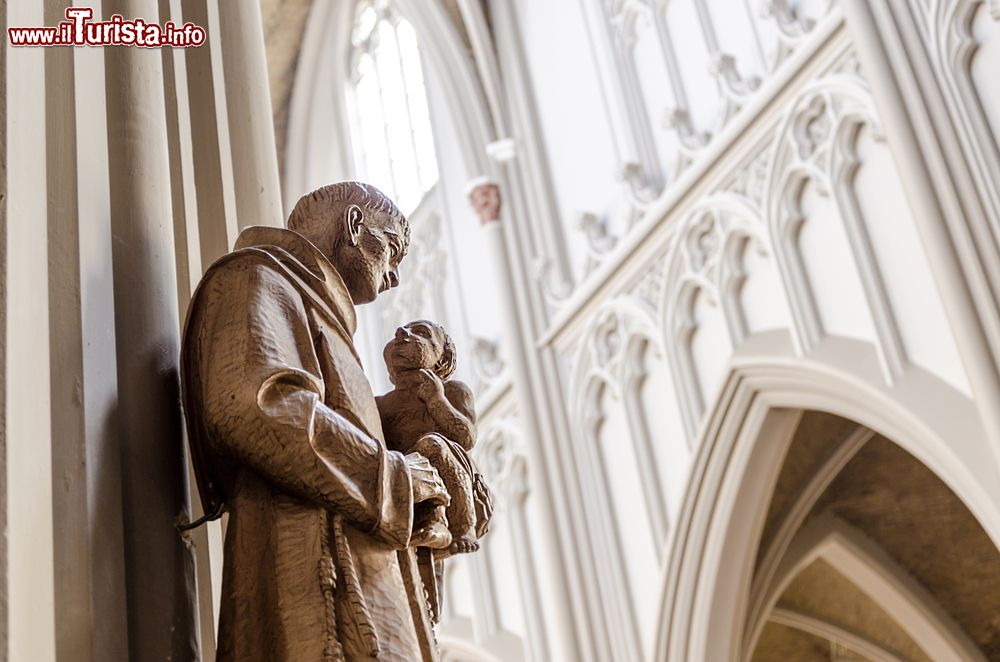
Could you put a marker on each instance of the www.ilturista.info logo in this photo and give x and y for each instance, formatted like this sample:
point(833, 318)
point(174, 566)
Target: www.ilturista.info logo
point(79, 30)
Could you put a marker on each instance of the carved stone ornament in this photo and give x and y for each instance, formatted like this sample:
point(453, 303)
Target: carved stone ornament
point(328, 519)
point(484, 196)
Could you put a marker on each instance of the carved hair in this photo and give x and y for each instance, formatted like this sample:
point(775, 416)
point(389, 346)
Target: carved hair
point(314, 211)
point(445, 366)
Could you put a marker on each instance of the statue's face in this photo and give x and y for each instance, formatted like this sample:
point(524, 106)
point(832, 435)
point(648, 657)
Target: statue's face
point(416, 345)
point(370, 260)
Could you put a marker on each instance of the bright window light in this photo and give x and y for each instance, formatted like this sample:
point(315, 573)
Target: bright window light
point(394, 145)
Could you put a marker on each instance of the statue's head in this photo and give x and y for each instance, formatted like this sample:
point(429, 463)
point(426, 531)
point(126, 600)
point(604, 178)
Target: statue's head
point(360, 230)
point(420, 345)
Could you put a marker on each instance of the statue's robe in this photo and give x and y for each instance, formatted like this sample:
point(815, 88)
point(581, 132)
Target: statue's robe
point(284, 432)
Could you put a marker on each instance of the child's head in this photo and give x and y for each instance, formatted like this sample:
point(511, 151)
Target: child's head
point(420, 345)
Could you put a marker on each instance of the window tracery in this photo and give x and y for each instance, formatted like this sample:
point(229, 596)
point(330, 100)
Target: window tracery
point(395, 145)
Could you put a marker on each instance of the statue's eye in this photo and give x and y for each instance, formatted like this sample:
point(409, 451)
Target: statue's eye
point(422, 331)
point(394, 250)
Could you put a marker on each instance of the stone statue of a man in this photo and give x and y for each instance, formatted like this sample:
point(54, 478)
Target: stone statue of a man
point(286, 438)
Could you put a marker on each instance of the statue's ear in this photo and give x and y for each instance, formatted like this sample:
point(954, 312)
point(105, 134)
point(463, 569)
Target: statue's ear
point(354, 220)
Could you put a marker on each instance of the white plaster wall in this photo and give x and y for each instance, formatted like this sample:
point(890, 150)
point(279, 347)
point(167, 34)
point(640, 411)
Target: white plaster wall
point(834, 256)
point(471, 269)
point(913, 296)
point(572, 113)
point(661, 410)
point(779, 214)
point(30, 586)
point(631, 526)
point(763, 309)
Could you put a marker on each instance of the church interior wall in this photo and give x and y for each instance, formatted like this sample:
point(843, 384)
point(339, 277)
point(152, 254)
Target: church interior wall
point(738, 321)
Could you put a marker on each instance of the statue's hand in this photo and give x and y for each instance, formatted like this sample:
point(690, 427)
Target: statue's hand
point(429, 386)
point(427, 484)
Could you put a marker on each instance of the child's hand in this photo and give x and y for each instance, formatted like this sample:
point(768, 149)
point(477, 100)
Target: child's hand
point(429, 386)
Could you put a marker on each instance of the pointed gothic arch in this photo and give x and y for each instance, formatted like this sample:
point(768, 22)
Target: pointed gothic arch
point(750, 428)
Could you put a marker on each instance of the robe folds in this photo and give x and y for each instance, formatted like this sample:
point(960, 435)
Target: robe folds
point(285, 434)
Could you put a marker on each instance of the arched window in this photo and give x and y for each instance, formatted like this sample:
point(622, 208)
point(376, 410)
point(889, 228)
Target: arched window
point(394, 145)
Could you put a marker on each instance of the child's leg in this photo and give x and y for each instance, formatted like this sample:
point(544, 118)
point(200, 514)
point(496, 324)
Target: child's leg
point(461, 513)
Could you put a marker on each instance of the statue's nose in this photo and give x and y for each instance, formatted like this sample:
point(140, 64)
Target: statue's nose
point(393, 278)
point(400, 333)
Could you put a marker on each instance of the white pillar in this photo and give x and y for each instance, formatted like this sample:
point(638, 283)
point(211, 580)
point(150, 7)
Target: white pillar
point(251, 123)
point(485, 198)
point(888, 45)
point(162, 608)
point(29, 572)
point(211, 156)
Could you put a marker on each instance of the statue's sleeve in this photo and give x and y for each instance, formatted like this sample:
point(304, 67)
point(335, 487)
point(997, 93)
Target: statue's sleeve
point(264, 408)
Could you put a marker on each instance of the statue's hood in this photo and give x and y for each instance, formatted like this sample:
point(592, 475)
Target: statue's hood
point(301, 256)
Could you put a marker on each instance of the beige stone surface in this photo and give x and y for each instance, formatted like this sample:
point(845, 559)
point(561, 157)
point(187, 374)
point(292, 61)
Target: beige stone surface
point(779, 643)
point(900, 504)
point(818, 435)
point(284, 27)
point(820, 591)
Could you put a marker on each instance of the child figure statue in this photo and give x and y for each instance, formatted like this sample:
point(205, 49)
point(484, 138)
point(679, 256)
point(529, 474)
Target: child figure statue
point(430, 414)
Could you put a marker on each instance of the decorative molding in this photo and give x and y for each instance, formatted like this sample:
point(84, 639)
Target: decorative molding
point(598, 237)
point(602, 535)
point(788, 19)
point(750, 180)
point(497, 450)
point(612, 28)
point(739, 454)
point(724, 69)
point(815, 143)
point(649, 287)
point(502, 455)
point(844, 639)
point(706, 257)
point(487, 364)
point(822, 48)
point(796, 516)
point(607, 344)
point(502, 150)
point(611, 363)
point(953, 49)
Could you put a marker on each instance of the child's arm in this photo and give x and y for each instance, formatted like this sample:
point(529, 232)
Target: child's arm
point(452, 407)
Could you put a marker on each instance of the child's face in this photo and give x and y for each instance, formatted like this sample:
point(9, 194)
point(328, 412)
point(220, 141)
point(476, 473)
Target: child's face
point(416, 345)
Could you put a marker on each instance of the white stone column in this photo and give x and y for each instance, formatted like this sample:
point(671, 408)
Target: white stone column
point(162, 609)
point(924, 147)
point(27, 425)
point(251, 123)
point(211, 157)
point(485, 199)
point(89, 557)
